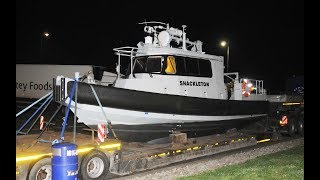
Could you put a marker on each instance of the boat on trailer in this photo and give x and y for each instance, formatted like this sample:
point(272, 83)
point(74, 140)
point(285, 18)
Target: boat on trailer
point(170, 85)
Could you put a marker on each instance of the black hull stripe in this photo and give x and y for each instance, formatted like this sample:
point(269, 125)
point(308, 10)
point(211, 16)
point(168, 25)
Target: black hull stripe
point(164, 103)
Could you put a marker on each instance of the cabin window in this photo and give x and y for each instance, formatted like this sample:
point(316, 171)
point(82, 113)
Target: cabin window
point(171, 65)
point(174, 65)
point(192, 66)
point(205, 68)
point(187, 66)
point(181, 68)
point(140, 65)
point(151, 64)
point(154, 64)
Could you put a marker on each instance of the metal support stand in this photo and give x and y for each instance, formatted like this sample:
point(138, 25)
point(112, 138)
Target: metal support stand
point(104, 114)
point(75, 108)
point(67, 111)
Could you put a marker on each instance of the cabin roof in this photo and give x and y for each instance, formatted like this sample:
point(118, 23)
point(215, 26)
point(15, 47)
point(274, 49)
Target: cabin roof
point(175, 51)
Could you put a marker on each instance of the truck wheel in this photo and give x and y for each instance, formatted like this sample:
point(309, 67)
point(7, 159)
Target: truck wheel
point(94, 165)
point(300, 127)
point(41, 170)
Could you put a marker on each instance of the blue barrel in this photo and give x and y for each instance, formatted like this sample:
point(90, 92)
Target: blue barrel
point(64, 161)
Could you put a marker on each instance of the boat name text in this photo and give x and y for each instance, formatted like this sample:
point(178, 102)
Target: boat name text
point(193, 83)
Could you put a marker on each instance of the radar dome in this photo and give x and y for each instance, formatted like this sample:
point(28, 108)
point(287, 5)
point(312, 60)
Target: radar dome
point(164, 38)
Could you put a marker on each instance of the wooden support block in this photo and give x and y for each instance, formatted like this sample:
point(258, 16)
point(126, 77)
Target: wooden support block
point(178, 138)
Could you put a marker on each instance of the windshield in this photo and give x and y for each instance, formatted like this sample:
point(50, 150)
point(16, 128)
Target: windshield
point(151, 64)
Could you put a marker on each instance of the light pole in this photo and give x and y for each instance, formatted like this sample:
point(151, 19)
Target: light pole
point(224, 44)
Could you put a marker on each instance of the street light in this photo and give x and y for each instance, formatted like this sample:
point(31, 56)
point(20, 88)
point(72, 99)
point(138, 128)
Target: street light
point(224, 44)
point(44, 35)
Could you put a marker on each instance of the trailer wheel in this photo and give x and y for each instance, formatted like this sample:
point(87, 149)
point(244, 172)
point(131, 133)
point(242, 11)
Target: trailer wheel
point(41, 170)
point(300, 127)
point(292, 128)
point(94, 165)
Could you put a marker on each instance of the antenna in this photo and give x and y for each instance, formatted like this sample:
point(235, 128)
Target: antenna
point(184, 37)
point(145, 20)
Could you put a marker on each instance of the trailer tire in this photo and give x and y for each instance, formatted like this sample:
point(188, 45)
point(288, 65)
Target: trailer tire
point(292, 128)
point(94, 165)
point(300, 126)
point(41, 170)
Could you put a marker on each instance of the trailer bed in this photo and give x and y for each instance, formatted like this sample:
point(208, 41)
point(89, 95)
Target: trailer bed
point(143, 156)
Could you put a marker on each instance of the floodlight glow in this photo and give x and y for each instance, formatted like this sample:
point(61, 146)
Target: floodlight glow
point(223, 43)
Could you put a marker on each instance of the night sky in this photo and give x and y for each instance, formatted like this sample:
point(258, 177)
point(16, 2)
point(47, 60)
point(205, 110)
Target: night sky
point(266, 39)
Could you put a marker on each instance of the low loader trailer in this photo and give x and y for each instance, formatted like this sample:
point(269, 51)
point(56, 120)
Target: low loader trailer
point(97, 159)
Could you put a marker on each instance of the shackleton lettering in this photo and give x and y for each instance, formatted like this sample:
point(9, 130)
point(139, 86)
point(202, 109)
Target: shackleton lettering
point(193, 83)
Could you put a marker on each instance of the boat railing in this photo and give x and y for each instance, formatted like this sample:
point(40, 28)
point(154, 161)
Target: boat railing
point(229, 75)
point(258, 84)
point(126, 51)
